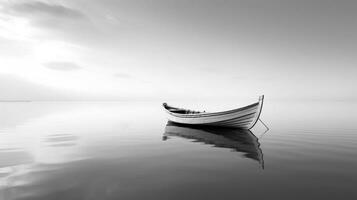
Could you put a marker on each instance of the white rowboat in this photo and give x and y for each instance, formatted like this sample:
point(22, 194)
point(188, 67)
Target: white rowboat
point(243, 118)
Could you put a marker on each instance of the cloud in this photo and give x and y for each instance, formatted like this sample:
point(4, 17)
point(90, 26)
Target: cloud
point(122, 76)
point(42, 8)
point(39, 20)
point(62, 66)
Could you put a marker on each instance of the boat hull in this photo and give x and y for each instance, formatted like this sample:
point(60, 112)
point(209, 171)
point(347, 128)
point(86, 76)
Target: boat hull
point(244, 118)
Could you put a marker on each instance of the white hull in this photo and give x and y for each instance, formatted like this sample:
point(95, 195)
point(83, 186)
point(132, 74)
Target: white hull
point(244, 118)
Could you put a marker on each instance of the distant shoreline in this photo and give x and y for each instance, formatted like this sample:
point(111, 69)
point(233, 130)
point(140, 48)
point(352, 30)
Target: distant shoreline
point(16, 101)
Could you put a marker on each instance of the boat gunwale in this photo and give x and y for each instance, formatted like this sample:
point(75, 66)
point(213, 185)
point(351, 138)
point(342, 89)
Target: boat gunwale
point(203, 114)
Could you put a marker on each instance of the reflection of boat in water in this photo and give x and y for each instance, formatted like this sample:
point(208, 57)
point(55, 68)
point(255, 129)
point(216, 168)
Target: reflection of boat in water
point(236, 139)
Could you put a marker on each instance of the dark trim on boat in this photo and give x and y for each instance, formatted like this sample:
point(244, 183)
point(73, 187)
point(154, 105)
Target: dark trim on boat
point(232, 123)
point(236, 118)
point(235, 121)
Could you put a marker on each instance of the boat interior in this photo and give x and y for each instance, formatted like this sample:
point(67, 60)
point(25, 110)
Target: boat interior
point(180, 110)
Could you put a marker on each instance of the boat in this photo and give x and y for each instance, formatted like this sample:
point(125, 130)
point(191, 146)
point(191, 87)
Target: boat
point(238, 140)
point(243, 118)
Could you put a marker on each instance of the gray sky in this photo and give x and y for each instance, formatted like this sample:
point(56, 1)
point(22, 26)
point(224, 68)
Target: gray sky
point(166, 49)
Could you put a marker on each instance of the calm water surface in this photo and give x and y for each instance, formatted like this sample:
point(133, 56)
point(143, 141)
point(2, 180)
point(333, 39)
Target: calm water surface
point(119, 150)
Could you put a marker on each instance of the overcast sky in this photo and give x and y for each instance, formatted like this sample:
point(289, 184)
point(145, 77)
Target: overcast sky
point(167, 49)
